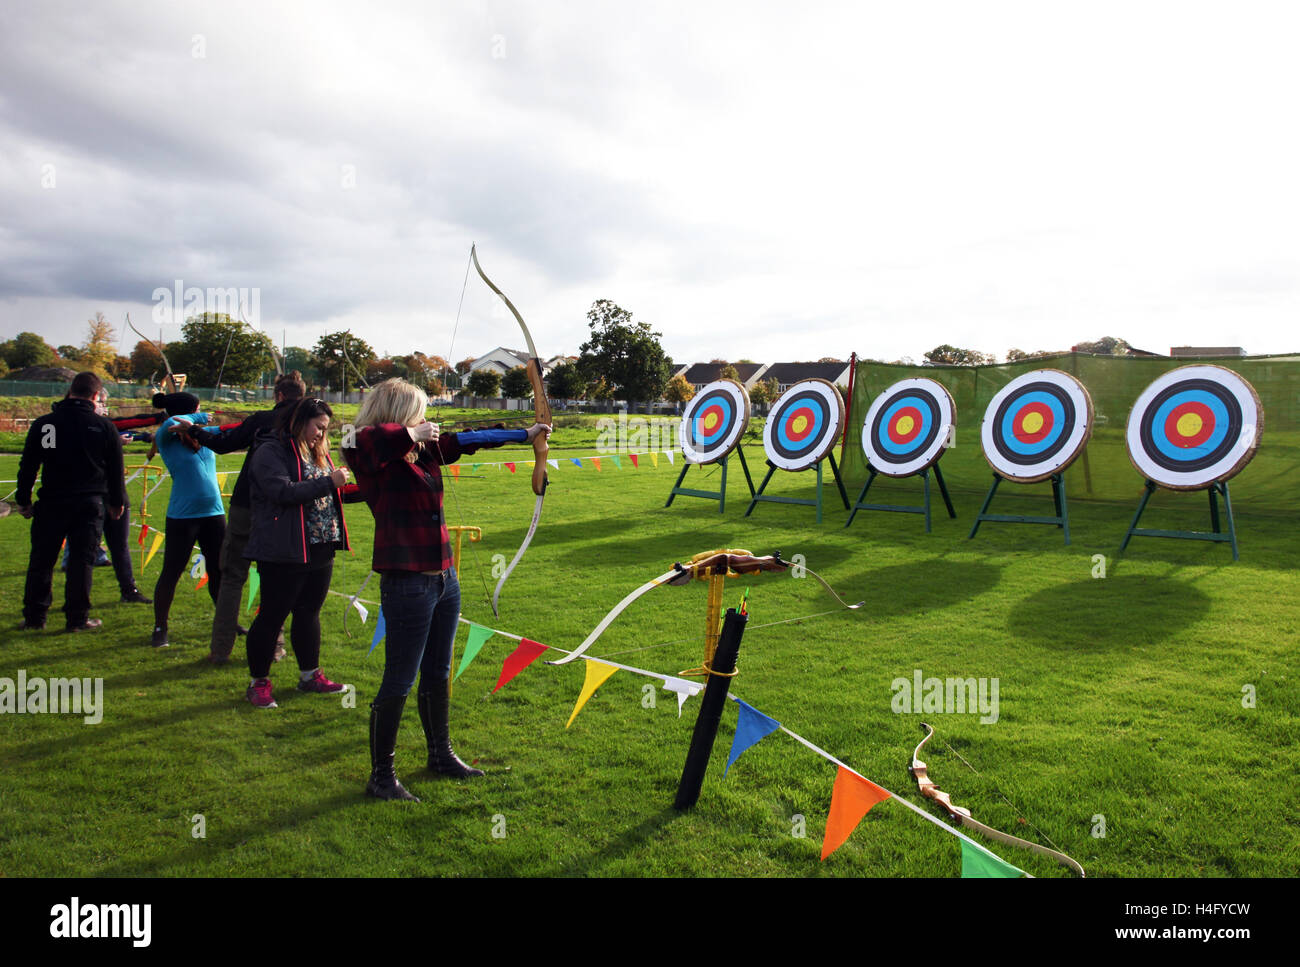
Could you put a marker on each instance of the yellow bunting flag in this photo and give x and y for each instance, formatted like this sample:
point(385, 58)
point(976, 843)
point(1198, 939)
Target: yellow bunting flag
point(221, 480)
point(598, 673)
point(654, 458)
point(851, 799)
point(157, 543)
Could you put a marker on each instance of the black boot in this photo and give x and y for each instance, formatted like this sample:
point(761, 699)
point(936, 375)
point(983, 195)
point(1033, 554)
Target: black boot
point(385, 717)
point(434, 709)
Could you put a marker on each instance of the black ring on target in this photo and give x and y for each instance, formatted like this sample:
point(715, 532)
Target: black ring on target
point(715, 419)
point(804, 424)
point(907, 427)
point(1036, 425)
point(1194, 426)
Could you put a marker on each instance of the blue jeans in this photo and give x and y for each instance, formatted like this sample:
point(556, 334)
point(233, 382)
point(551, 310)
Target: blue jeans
point(420, 615)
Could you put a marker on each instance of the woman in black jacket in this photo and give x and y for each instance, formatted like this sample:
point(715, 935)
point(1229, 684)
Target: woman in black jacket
point(298, 524)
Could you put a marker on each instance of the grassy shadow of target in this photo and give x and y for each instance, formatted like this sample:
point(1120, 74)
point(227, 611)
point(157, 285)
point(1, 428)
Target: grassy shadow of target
point(1092, 614)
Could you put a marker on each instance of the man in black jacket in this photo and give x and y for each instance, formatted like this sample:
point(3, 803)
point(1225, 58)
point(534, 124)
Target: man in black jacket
point(78, 455)
point(289, 390)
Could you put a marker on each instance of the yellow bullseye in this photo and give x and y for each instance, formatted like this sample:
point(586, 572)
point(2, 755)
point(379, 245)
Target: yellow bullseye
point(904, 425)
point(799, 424)
point(1189, 424)
point(1032, 423)
point(711, 421)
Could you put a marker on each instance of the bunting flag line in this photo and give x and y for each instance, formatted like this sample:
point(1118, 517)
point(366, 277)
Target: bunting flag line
point(478, 636)
point(598, 672)
point(153, 549)
point(254, 584)
point(683, 689)
point(851, 799)
point(380, 631)
point(752, 726)
point(519, 659)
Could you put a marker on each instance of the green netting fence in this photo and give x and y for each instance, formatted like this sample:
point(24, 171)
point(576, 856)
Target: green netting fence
point(1268, 484)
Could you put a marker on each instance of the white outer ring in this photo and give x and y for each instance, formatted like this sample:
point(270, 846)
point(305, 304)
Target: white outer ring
point(834, 406)
point(1212, 474)
point(931, 454)
point(741, 400)
point(1073, 443)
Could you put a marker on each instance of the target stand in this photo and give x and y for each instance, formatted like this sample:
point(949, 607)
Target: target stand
point(905, 432)
point(710, 431)
point(1062, 518)
point(802, 429)
point(924, 508)
point(720, 495)
point(1033, 429)
point(1217, 534)
point(1194, 428)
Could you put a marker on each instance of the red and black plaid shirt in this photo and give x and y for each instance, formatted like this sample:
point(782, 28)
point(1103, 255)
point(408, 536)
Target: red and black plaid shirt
point(405, 497)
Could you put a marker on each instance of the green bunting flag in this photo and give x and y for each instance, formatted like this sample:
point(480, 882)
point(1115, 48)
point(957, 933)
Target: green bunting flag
point(478, 636)
point(254, 582)
point(979, 862)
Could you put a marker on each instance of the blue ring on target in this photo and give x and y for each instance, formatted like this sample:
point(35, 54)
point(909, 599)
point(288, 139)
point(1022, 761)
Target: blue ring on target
point(724, 425)
point(1222, 421)
point(814, 434)
point(1013, 443)
point(923, 406)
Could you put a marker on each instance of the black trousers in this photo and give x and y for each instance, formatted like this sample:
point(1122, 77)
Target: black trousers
point(80, 520)
point(182, 532)
point(297, 589)
point(116, 533)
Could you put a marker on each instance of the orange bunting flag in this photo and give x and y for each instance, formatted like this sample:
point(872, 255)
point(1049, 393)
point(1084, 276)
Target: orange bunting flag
point(596, 461)
point(202, 581)
point(510, 467)
point(455, 470)
point(633, 456)
point(519, 659)
point(851, 799)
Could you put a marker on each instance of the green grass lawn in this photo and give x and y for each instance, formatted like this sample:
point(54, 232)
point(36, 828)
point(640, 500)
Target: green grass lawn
point(1121, 698)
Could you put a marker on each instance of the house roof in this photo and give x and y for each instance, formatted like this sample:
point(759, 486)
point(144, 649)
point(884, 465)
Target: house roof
point(702, 373)
point(788, 373)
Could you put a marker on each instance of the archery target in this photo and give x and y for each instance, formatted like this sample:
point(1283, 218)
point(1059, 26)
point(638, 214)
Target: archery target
point(907, 427)
point(1194, 426)
point(804, 424)
point(1036, 425)
point(715, 419)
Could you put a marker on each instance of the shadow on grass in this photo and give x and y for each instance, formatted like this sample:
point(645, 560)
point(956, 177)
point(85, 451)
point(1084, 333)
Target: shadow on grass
point(920, 587)
point(630, 841)
point(1120, 610)
point(659, 552)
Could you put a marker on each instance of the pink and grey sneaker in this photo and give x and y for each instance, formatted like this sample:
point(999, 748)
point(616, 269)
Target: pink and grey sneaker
point(259, 693)
point(318, 683)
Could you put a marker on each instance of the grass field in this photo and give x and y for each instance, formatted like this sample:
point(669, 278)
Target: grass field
point(1121, 699)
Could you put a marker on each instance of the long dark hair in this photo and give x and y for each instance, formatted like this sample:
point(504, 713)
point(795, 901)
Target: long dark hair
point(294, 419)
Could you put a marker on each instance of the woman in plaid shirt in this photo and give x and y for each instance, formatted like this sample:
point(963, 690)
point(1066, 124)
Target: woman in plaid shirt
point(397, 457)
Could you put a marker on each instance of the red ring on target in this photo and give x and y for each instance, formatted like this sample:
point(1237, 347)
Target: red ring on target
point(1202, 429)
point(710, 418)
point(809, 421)
point(905, 436)
point(1043, 412)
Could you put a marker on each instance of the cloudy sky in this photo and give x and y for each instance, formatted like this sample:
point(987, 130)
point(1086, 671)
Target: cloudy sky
point(763, 180)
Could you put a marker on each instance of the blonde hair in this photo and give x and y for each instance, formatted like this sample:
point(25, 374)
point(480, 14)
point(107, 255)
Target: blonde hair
point(392, 401)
